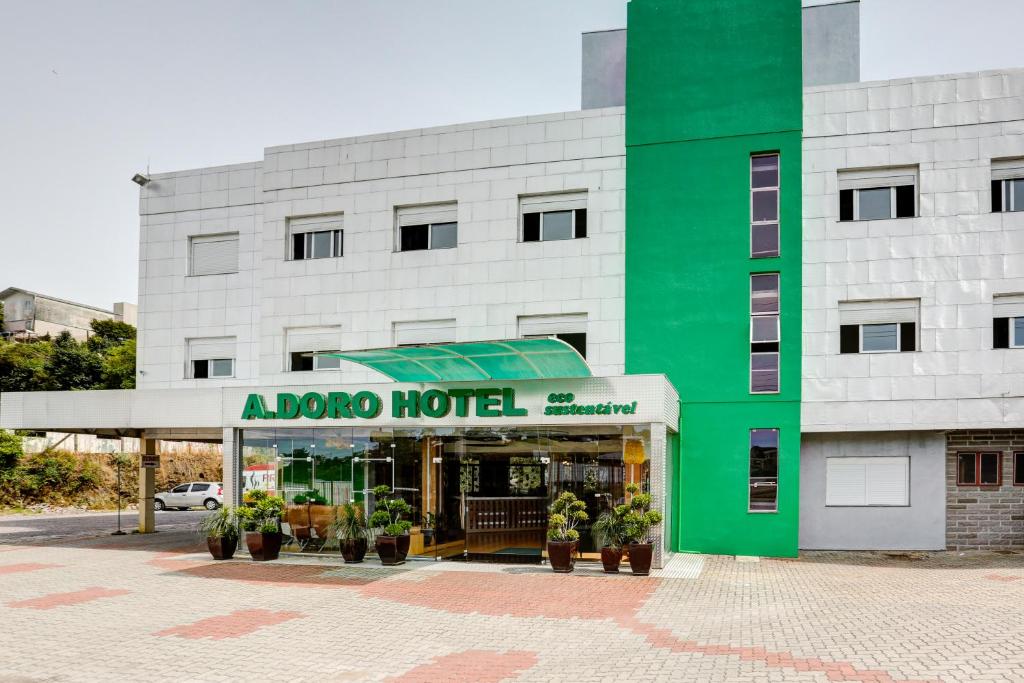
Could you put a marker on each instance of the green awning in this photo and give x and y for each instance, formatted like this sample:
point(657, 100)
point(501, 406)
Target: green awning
point(512, 359)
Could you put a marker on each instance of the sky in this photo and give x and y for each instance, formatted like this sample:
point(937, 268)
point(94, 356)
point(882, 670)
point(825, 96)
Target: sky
point(93, 91)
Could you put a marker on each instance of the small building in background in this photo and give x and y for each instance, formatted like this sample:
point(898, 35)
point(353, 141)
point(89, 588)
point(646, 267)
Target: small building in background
point(29, 314)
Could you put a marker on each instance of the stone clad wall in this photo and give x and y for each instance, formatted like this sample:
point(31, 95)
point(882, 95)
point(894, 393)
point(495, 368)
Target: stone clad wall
point(984, 517)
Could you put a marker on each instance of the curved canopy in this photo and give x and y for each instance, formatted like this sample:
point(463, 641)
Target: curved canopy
point(512, 359)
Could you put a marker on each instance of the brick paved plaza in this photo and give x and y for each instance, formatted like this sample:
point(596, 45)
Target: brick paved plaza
point(158, 608)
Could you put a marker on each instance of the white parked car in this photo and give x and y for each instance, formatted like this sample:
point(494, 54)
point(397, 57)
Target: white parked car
point(193, 494)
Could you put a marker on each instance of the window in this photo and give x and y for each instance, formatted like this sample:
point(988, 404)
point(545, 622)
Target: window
point(313, 237)
point(878, 326)
point(427, 227)
point(764, 333)
point(862, 482)
point(212, 357)
point(180, 489)
point(213, 254)
point(568, 327)
point(878, 194)
point(305, 344)
point(1007, 185)
point(1018, 469)
point(196, 488)
point(1008, 321)
point(553, 217)
point(979, 469)
point(764, 205)
point(764, 470)
point(413, 332)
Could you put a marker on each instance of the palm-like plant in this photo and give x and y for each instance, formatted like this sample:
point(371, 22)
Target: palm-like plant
point(350, 524)
point(222, 523)
point(609, 529)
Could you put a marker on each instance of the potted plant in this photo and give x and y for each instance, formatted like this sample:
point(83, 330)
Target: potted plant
point(261, 521)
point(350, 530)
point(221, 530)
point(392, 541)
point(609, 535)
point(639, 520)
point(563, 539)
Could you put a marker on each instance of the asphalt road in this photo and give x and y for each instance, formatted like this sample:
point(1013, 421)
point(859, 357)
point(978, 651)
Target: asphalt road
point(39, 528)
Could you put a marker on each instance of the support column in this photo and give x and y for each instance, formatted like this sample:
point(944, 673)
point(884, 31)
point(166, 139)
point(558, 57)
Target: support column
point(231, 467)
point(147, 483)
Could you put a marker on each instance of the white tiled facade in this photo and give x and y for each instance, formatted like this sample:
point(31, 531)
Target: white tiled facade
point(954, 256)
point(486, 283)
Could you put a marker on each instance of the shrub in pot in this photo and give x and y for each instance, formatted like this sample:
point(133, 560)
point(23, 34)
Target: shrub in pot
point(392, 535)
point(221, 530)
point(639, 520)
point(609, 533)
point(350, 530)
point(567, 512)
point(427, 529)
point(261, 521)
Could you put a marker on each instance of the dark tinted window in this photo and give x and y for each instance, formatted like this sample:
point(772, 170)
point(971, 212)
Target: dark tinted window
point(302, 361)
point(1018, 469)
point(299, 246)
point(415, 237)
point(200, 487)
point(581, 222)
point(989, 468)
point(180, 489)
point(200, 369)
point(577, 340)
point(997, 196)
point(531, 227)
point(966, 468)
point(905, 201)
point(846, 205)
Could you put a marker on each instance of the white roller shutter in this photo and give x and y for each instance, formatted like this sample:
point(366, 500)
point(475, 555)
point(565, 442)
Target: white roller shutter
point(214, 254)
point(429, 214)
point(877, 177)
point(211, 347)
point(883, 481)
point(874, 312)
point(1008, 306)
point(565, 201)
point(312, 339)
point(550, 325)
point(424, 332)
point(297, 224)
point(1007, 169)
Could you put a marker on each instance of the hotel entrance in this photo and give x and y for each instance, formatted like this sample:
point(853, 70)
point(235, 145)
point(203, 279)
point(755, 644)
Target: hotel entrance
point(477, 493)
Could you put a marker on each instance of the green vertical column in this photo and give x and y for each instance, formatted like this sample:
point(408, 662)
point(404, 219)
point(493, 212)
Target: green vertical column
point(708, 84)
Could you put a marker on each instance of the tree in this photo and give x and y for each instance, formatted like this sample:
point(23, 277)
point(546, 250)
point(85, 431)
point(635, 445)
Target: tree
point(23, 365)
point(1, 316)
point(72, 365)
point(119, 366)
point(108, 334)
point(10, 451)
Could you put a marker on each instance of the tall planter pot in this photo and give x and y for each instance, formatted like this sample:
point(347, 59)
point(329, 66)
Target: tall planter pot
point(392, 550)
point(222, 548)
point(640, 557)
point(611, 558)
point(354, 550)
point(562, 555)
point(263, 546)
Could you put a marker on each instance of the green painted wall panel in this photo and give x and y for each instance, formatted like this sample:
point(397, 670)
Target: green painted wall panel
point(709, 84)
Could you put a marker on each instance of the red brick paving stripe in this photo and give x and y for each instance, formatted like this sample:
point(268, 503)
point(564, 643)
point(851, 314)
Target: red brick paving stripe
point(834, 671)
point(1003, 577)
point(25, 567)
point(277, 575)
point(239, 623)
point(73, 598)
point(519, 595)
point(470, 666)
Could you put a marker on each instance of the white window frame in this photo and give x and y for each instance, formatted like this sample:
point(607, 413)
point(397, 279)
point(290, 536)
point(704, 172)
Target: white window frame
point(307, 225)
point(1006, 171)
point(554, 203)
point(194, 240)
point(428, 215)
point(778, 371)
point(209, 368)
point(777, 314)
point(325, 339)
point(877, 179)
point(860, 339)
point(1014, 342)
point(831, 495)
point(778, 204)
point(766, 316)
point(778, 468)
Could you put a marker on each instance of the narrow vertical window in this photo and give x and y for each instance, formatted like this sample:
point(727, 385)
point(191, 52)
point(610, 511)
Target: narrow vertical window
point(764, 470)
point(764, 333)
point(764, 205)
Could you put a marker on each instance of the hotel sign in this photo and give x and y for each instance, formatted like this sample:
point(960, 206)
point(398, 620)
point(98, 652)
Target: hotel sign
point(481, 402)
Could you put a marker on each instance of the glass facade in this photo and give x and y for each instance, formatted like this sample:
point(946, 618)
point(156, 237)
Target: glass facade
point(476, 493)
